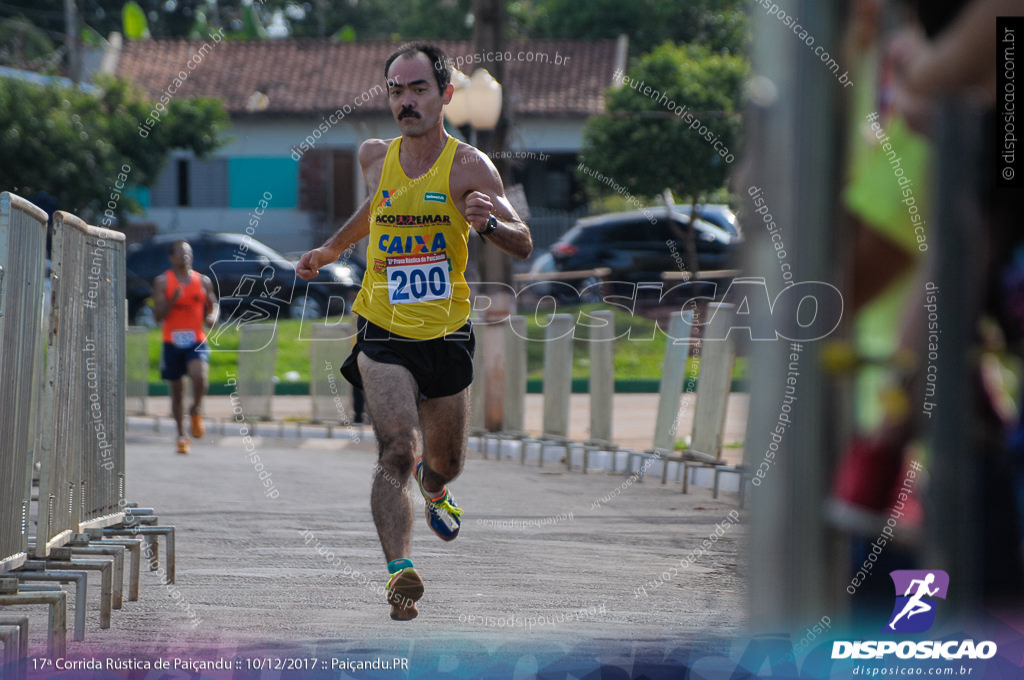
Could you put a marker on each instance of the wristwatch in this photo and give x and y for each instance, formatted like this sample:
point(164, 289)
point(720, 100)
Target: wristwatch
point(492, 226)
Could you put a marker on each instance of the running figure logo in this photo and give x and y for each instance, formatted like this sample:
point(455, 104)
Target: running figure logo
point(914, 611)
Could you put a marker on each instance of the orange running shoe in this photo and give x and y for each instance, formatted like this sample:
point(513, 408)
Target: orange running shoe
point(198, 430)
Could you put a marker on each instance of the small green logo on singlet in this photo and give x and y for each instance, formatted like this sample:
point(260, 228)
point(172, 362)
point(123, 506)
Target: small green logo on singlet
point(435, 196)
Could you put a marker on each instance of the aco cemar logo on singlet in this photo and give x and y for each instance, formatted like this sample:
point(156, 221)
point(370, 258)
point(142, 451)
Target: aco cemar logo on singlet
point(917, 593)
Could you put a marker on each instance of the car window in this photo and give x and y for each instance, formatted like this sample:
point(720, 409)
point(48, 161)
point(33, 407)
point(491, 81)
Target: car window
point(674, 230)
point(635, 231)
point(225, 250)
point(149, 260)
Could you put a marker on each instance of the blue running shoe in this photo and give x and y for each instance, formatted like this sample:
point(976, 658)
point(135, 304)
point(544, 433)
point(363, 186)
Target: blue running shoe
point(444, 517)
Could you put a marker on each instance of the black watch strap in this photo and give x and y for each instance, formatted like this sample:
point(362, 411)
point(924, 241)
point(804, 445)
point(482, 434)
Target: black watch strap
point(492, 226)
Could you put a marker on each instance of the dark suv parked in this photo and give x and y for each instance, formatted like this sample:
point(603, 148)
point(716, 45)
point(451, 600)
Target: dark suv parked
point(638, 247)
point(246, 274)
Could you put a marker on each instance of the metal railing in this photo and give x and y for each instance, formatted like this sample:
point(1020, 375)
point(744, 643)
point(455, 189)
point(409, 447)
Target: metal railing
point(81, 478)
point(330, 393)
point(22, 278)
point(61, 393)
point(257, 351)
point(136, 369)
point(101, 478)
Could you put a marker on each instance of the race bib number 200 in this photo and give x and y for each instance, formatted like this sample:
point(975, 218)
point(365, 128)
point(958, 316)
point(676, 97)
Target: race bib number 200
point(418, 278)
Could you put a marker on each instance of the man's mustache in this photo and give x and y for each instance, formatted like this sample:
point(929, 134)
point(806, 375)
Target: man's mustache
point(407, 113)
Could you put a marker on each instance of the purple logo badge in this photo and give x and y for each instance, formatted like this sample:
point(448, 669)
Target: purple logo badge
point(916, 591)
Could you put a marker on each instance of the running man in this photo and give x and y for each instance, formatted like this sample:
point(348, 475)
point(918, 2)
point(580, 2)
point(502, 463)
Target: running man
point(414, 347)
point(914, 604)
point(184, 300)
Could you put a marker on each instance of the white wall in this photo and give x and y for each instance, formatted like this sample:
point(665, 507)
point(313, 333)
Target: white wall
point(282, 230)
point(547, 135)
point(287, 230)
point(278, 137)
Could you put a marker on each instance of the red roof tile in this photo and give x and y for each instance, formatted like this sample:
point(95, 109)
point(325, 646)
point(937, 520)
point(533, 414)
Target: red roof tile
point(309, 76)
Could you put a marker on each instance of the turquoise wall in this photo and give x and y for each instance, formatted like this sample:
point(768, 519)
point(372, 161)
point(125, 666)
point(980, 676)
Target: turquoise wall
point(249, 178)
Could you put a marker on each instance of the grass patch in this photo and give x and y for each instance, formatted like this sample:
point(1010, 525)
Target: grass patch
point(292, 352)
point(639, 353)
point(639, 349)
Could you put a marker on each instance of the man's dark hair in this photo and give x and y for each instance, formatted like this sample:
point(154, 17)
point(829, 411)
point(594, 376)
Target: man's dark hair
point(175, 244)
point(438, 59)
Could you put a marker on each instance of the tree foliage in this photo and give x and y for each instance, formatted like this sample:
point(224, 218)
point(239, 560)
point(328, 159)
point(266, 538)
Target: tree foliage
point(72, 144)
point(22, 45)
point(673, 126)
point(720, 25)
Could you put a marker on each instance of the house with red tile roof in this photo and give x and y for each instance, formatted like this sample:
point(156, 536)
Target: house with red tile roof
point(299, 109)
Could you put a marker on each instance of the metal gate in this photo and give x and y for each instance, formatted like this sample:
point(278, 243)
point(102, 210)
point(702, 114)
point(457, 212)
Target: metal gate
point(22, 277)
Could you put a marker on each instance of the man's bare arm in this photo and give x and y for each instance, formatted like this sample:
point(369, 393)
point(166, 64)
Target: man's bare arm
point(356, 227)
point(161, 305)
point(511, 234)
point(371, 156)
point(963, 56)
point(483, 196)
point(212, 305)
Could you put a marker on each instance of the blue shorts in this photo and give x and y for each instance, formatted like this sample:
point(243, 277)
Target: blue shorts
point(174, 360)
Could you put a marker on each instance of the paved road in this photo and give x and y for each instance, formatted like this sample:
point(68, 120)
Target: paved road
point(546, 557)
point(634, 415)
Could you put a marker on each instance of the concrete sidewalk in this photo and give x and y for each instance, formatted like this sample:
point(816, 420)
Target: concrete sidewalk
point(545, 555)
point(633, 427)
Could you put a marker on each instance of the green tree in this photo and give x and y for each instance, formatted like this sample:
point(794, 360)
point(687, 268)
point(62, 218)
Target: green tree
point(72, 143)
point(166, 19)
point(22, 45)
point(675, 125)
point(721, 25)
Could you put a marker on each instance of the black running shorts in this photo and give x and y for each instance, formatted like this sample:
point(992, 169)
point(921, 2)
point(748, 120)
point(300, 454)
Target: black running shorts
point(441, 366)
point(174, 361)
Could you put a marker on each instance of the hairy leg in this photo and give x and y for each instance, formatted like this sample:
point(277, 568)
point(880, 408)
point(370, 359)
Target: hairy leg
point(178, 403)
point(391, 394)
point(445, 424)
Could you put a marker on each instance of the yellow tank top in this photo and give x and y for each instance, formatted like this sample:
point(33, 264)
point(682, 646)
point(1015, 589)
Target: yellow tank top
point(415, 283)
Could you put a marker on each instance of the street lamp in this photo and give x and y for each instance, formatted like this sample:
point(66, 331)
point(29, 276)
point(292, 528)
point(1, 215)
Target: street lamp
point(457, 110)
point(476, 102)
point(484, 94)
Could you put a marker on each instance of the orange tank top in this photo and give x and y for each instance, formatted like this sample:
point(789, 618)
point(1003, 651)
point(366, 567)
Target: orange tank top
point(183, 325)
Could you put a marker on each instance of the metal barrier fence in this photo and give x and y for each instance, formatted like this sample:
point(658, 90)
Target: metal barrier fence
point(101, 478)
point(257, 351)
point(62, 388)
point(514, 413)
point(81, 476)
point(136, 369)
point(477, 392)
point(557, 375)
point(602, 375)
point(331, 394)
point(22, 277)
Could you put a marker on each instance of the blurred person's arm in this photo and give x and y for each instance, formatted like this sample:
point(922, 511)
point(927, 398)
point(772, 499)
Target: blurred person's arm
point(161, 305)
point(963, 57)
point(212, 307)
